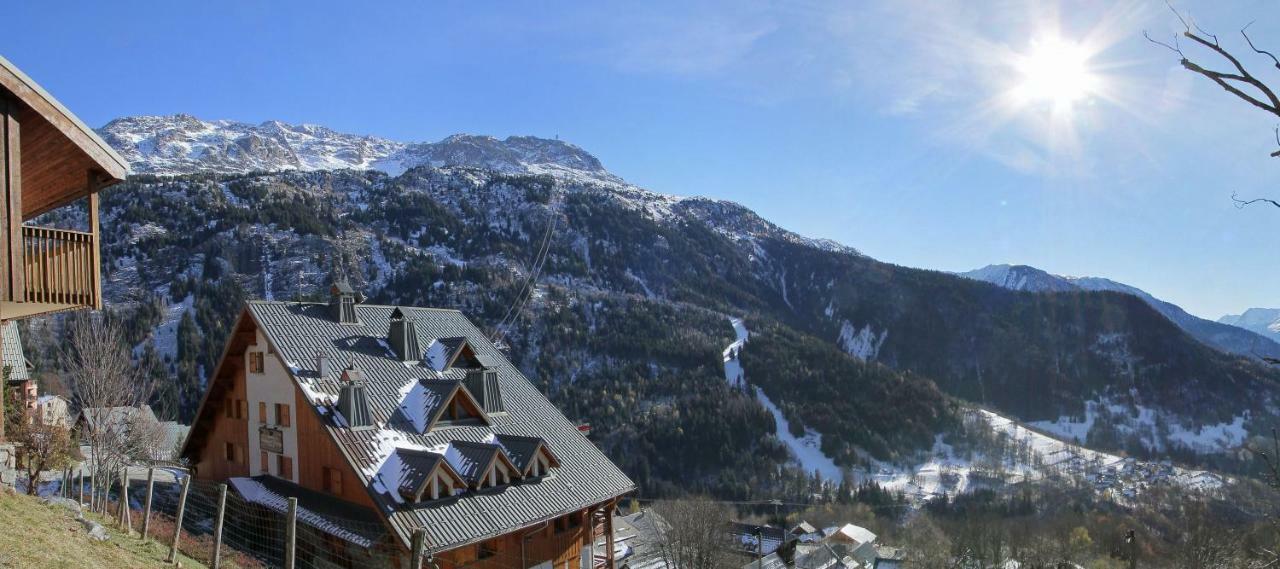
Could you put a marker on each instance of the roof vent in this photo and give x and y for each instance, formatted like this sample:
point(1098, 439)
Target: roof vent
point(353, 399)
point(483, 385)
point(322, 365)
point(343, 300)
point(403, 337)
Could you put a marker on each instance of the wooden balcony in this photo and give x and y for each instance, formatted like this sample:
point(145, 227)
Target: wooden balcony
point(48, 160)
point(59, 272)
point(58, 266)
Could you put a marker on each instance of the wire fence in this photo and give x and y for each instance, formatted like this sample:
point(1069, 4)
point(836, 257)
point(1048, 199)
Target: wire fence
point(252, 534)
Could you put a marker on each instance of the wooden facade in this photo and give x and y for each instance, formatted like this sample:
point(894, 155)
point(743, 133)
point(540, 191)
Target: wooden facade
point(229, 416)
point(48, 159)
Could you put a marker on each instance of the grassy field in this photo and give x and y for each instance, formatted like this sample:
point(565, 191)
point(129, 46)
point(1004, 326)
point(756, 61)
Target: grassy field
point(36, 536)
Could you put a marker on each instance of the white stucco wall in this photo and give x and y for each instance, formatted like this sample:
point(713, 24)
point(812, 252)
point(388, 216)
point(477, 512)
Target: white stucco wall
point(271, 387)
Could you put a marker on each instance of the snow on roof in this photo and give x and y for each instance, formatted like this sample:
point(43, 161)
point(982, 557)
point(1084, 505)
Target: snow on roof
point(437, 355)
point(255, 492)
point(858, 534)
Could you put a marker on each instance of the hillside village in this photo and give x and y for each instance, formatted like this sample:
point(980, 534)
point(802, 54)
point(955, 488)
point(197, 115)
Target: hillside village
point(280, 346)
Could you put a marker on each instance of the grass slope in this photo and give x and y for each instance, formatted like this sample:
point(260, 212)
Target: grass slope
point(37, 536)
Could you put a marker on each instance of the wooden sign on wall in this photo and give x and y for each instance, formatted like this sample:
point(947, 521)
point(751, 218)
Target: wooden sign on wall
point(271, 440)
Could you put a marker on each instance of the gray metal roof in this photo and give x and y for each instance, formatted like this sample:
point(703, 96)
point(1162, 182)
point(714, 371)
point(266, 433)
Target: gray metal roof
point(13, 357)
point(298, 331)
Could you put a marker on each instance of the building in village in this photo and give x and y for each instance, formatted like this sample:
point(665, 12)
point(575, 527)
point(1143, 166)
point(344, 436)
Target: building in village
point(53, 410)
point(386, 422)
point(49, 159)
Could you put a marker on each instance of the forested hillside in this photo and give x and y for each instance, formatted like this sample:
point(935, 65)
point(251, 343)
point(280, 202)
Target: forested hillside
point(628, 317)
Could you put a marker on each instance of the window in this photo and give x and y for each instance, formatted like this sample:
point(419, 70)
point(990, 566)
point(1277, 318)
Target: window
point(242, 409)
point(332, 480)
point(262, 412)
point(255, 362)
point(229, 408)
point(231, 452)
point(262, 462)
point(282, 415)
point(284, 466)
point(485, 550)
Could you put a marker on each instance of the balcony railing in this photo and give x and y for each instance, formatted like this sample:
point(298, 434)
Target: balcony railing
point(59, 266)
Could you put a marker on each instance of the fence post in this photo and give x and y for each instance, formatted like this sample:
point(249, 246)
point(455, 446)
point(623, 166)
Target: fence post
point(177, 524)
point(217, 527)
point(125, 522)
point(291, 534)
point(419, 543)
point(146, 509)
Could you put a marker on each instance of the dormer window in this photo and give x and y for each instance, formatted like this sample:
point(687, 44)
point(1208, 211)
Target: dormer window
point(426, 403)
point(530, 455)
point(426, 475)
point(482, 465)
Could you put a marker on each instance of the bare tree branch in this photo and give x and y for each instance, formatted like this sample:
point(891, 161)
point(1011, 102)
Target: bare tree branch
point(1255, 48)
point(1241, 203)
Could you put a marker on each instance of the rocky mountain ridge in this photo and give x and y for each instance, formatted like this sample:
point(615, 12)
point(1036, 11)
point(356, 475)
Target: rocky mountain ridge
point(1225, 334)
point(625, 322)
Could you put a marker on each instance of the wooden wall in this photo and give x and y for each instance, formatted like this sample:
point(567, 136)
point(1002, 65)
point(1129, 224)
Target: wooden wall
point(562, 548)
point(211, 463)
point(316, 450)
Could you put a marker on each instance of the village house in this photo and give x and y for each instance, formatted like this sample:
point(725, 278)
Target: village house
point(53, 410)
point(388, 422)
point(49, 159)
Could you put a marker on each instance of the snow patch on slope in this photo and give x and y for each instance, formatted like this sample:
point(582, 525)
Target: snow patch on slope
point(862, 343)
point(807, 449)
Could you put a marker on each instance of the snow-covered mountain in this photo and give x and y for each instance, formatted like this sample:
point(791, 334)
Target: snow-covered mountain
point(1262, 321)
point(183, 144)
point(1235, 337)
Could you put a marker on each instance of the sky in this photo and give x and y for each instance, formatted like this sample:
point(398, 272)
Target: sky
point(916, 132)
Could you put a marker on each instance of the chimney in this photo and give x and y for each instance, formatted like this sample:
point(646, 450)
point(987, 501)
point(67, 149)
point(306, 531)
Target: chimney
point(343, 300)
point(353, 398)
point(403, 337)
point(322, 365)
point(483, 385)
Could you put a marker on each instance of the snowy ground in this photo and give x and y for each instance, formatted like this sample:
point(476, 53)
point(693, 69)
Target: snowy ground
point(1045, 457)
point(807, 450)
point(946, 472)
point(1142, 421)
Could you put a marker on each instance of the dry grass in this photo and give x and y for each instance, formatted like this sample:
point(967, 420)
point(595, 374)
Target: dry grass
point(36, 536)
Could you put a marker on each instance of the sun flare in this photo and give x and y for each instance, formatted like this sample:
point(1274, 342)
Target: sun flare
point(1055, 71)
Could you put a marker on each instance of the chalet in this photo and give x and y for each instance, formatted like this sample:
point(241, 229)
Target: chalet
point(53, 410)
point(388, 423)
point(48, 160)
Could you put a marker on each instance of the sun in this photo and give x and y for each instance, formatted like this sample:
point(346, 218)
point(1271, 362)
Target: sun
point(1054, 71)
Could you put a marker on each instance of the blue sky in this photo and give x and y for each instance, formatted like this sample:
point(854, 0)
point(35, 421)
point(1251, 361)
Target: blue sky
point(880, 124)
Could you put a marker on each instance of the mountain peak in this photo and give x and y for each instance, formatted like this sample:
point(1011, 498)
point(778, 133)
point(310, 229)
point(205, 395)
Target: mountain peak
point(184, 144)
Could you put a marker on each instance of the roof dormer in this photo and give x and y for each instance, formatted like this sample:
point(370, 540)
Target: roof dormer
point(482, 465)
point(426, 475)
point(428, 403)
point(444, 353)
point(530, 455)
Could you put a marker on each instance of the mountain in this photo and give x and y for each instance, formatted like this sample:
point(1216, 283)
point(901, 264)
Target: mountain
point(1261, 321)
point(183, 144)
point(1223, 335)
point(627, 320)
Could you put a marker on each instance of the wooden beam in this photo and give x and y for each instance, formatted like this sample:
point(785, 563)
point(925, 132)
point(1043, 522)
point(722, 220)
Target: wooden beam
point(95, 271)
point(83, 137)
point(11, 271)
